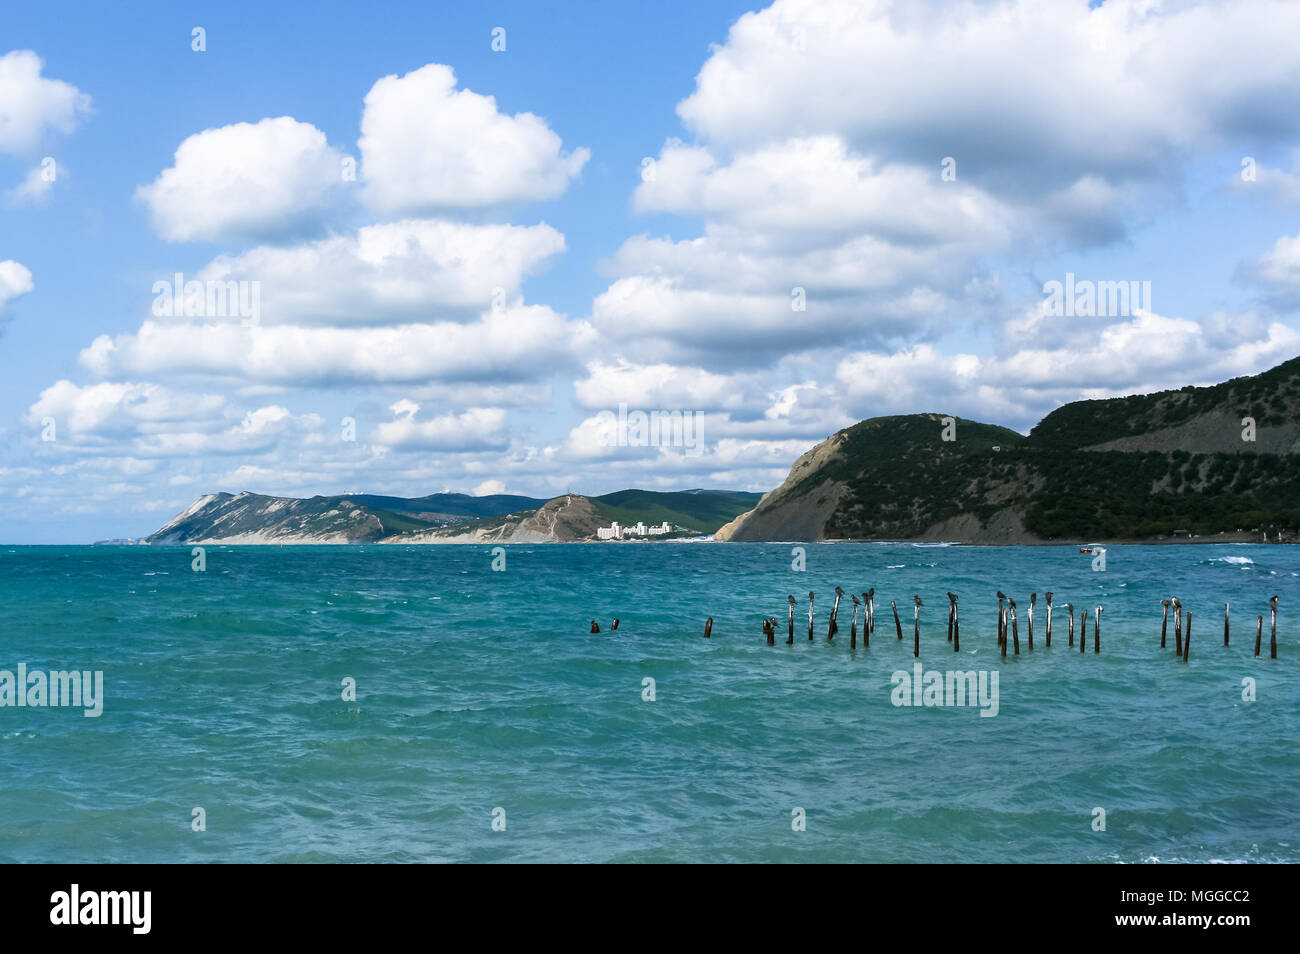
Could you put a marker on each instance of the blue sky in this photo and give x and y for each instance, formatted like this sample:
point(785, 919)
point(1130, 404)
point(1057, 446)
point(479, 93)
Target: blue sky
point(796, 145)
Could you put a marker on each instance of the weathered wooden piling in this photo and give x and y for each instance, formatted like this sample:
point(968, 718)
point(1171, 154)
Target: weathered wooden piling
point(1083, 630)
point(897, 625)
point(1015, 626)
point(810, 615)
point(769, 631)
point(1187, 639)
point(853, 629)
point(1178, 627)
point(1048, 635)
point(595, 627)
point(1259, 634)
point(1272, 639)
point(708, 627)
point(790, 639)
point(1033, 598)
point(950, 605)
point(916, 625)
point(1096, 631)
point(869, 626)
point(1164, 624)
point(1002, 620)
point(614, 625)
point(956, 626)
point(1070, 608)
point(1225, 624)
point(833, 628)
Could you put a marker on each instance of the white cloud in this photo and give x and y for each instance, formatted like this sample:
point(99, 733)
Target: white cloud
point(663, 386)
point(35, 187)
point(1280, 265)
point(427, 146)
point(15, 280)
point(1025, 94)
point(516, 344)
point(245, 180)
point(478, 428)
point(1148, 352)
point(32, 106)
point(113, 409)
point(815, 191)
point(413, 270)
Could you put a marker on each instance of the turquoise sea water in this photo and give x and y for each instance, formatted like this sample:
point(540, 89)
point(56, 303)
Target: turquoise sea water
point(479, 689)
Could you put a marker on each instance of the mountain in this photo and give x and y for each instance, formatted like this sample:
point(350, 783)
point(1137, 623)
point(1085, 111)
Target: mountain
point(358, 518)
point(440, 518)
point(1136, 468)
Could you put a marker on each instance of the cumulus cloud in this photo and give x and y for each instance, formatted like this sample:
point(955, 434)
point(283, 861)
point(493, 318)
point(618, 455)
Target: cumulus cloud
point(33, 106)
point(1018, 385)
point(1024, 95)
point(412, 270)
point(245, 180)
point(15, 280)
point(36, 185)
point(514, 344)
point(113, 408)
point(1280, 265)
point(428, 146)
point(478, 428)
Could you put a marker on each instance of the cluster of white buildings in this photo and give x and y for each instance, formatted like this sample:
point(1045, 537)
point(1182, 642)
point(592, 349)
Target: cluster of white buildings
point(615, 532)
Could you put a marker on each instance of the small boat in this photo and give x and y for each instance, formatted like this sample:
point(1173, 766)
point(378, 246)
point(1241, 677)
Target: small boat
point(1092, 548)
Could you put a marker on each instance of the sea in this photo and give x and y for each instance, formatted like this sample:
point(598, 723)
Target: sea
point(450, 704)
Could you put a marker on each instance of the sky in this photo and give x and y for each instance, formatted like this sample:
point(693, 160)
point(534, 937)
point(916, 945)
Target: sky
point(439, 247)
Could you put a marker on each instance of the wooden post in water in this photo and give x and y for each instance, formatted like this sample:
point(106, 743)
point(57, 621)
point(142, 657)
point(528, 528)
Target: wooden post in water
point(835, 610)
point(1272, 640)
point(595, 627)
point(1083, 630)
point(1225, 624)
point(1048, 640)
point(950, 599)
point(897, 625)
point(1002, 620)
point(1187, 640)
point(956, 626)
point(1096, 631)
point(790, 640)
point(810, 615)
point(708, 627)
point(1015, 626)
point(916, 626)
point(1259, 634)
point(768, 631)
point(1178, 627)
point(853, 630)
point(1070, 607)
point(866, 619)
point(1164, 624)
point(1033, 598)
point(870, 597)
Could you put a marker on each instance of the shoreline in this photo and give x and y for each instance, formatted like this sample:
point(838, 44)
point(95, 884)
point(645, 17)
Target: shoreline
point(1235, 539)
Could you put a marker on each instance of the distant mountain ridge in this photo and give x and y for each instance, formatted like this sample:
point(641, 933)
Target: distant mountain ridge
point(1135, 468)
point(248, 518)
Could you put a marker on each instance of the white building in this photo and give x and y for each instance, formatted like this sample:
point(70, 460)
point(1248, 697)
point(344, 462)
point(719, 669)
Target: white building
point(615, 532)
